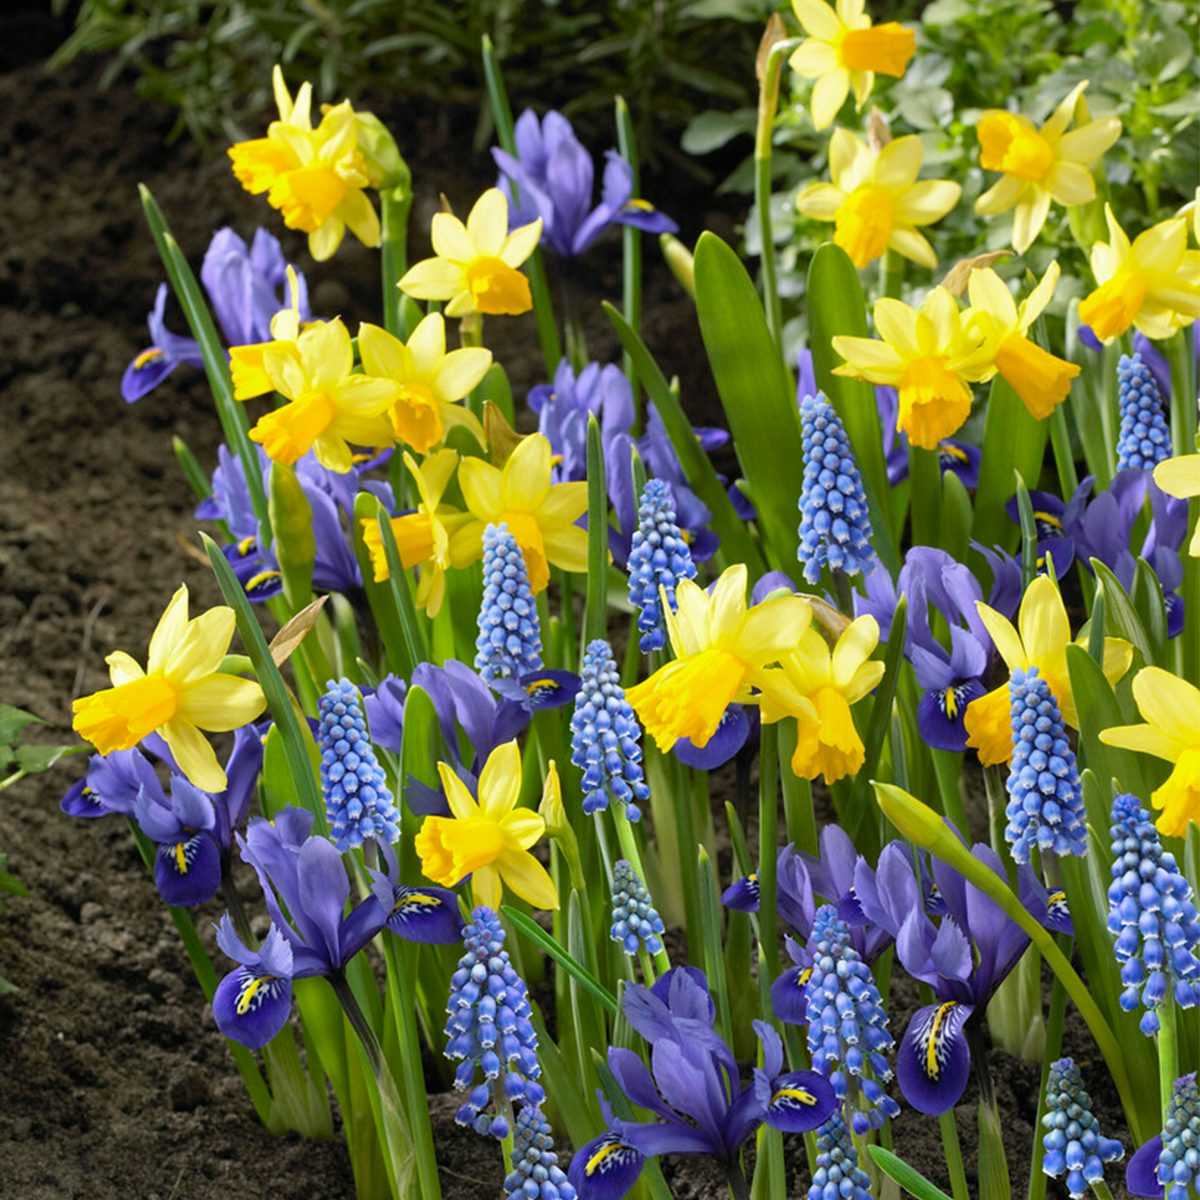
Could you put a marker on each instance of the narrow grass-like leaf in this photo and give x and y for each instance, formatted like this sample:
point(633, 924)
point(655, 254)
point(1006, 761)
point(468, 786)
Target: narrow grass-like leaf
point(712, 941)
point(279, 701)
point(1012, 441)
point(836, 305)
point(379, 595)
point(631, 238)
point(402, 597)
point(1029, 537)
point(881, 705)
point(595, 617)
point(736, 542)
point(1147, 599)
point(909, 1178)
point(536, 934)
point(756, 391)
point(1122, 617)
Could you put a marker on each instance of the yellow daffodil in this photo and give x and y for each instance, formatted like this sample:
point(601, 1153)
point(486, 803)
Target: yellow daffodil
point(250, 378)
point(329, 407)
point(1037, 376)
point(1180, 477)
point(475, 265)
point(1152, 283)
point(875, 200)
point(489, 839)
point(929, 355)
point(1171, 709)
point(314, 177)
point(431, 381)
point(844, 50)
point(1040, 165)
point(817, 686)
point(721, 650)
point(424, 537)
point(181, 692)
point(1042, 640)
point(541, 515)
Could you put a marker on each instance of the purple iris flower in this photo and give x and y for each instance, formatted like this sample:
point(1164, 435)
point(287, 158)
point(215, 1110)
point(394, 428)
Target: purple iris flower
point(694, 1087)
point(246, 288)
point(554, 176)
point(424, 914)
point(385, 713)
point(959, 458)
point(1059, 525)
point(331, 498)
point(963, 957)
point(563, 408)
point(181, 822)
point(111, 785)
point(251, 1004)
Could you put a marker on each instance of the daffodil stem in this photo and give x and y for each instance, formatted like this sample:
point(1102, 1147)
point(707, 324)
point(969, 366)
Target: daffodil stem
point(1179, 349)
point(395, 204)
point(954, 1159)
point(1167, 1041)
point(768, 104)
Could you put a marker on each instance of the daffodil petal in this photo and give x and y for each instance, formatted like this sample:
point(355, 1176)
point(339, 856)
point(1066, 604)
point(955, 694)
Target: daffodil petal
point(500, 781)
point(222, 702)
point(528, 878)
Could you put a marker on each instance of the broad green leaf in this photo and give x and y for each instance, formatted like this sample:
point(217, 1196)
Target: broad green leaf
point(12, 721)
point(1012, 441)
point(1122, 617)
point(33, 759)
point(1149, 605)
point(909, 1178)
point(957, 515)
point(379, 595)
point(1098, 709)
point(756, 391)
point(837, 306)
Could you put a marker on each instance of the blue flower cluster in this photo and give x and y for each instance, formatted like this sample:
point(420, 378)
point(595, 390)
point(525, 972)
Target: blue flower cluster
point(604, 737)
point(1145, 438)
point(1179, 1163)
point(1045, 808)
point(659, 557)
point(536, 1174)
point(847, 1027)
point(636, 923)
point(509, 644)
point(1074, 1144)
point(1151, 910)
point(838, 1175)
point(358, 802)
point(489, 1027)
point(835, 530)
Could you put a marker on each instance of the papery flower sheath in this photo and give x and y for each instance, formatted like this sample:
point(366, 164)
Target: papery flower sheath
point(474, 267)
point(721, 650)
point(181, 691)
point(314, 177)
point(875, 200)
point(1040, 164)
point(844, 51)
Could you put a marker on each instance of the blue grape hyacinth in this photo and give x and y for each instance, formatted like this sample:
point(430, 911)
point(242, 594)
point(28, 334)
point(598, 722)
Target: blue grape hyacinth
point(489, 1027)
point(509, 644)
point(1074, 1144)
point(1045, 808)
point(358, 802)
point(605, 736)
point(636, 924)
point(658, 557)
point(536, 1174)
point(838, 1175)
point(1151, 910)
point(848, 1035)
point(1145, 437)
point(835, 530)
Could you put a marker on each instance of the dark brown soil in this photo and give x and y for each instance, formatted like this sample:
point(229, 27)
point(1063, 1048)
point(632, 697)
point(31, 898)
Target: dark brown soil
point(113, 1081)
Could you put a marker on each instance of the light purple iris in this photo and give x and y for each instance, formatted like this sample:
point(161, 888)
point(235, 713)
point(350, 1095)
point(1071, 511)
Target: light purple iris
point(554, 177)
point(694, 1087)
point(246, 287)
point(957, 940)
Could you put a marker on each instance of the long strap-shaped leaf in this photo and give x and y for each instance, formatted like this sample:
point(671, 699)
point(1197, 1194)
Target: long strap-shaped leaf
point(536, 934)
point(216, 364)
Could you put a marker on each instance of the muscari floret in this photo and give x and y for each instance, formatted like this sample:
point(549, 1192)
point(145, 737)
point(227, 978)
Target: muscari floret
point(489, 1028)
point(658, 559)
point(536, 1174)
point(636, 924)
point(835, 530)
point(848, 1034)
point(1151, 910)
point(509, 644)
point(1145, 437)
point(1074, 1144)
point(1169, 1162)
point(1046, 801)
point(358, 801)
point(605, 737)
point(838, 1175)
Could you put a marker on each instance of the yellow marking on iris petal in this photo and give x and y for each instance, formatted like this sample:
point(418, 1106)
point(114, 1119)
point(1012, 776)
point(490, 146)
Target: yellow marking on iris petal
point(931, 1063)
point(248, 994)
point(542, 685)
point(146, 356)
point(181, 858)
point(604, 1152)
point(640, 205)
point(258, 580)
point(246, 545)
point(952, 451)
point(415, 898)
point(791, 1093)
point(950, 699)
point(1047, 518)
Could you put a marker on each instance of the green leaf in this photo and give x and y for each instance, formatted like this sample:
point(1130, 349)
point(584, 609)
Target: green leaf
point(402, 597)
point(536, 934)
point(1121, 615)
point(836, 305)
point(756, 391)
point(881, 706)
point(595, 615)
point(909, 1178)
point(736, 542)
point(12, 721)
point(1098, 709)
point(32, 759)
point(1012, 441)
point(957, 515)
point(420, 750)
point(379, 595)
